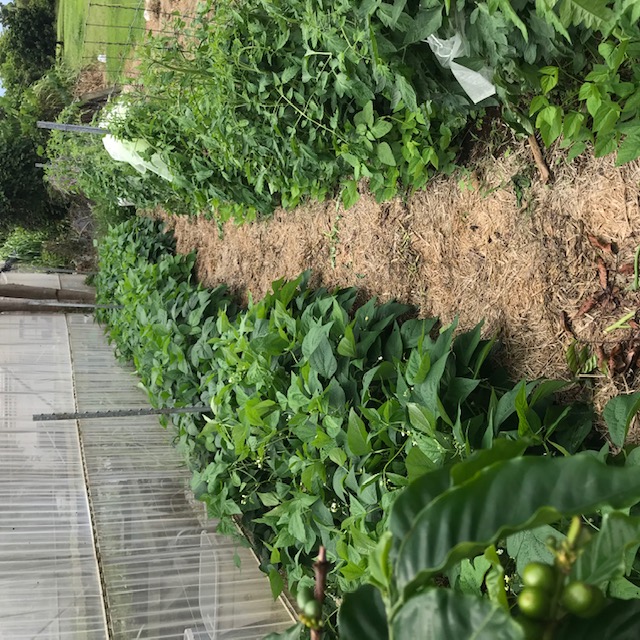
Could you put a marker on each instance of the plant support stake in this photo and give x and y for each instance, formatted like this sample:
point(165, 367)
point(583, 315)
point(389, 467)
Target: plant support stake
point(118, 413)
point(78, 128)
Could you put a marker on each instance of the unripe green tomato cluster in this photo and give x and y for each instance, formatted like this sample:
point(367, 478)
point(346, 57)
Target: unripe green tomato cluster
point(536, 598)
point(310, 607)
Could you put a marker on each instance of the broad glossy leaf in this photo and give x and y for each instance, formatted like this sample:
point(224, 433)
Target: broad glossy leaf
point(419, 493)
point(502, 449)
point(618, 415)
point(463, 521)
point(362, 615)
point(603, 558)
point(439, 614)
point(618, 621)
point(414, 498)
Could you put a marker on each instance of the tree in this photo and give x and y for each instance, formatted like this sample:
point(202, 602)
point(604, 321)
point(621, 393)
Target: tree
point(24, 198)
point(28, 42)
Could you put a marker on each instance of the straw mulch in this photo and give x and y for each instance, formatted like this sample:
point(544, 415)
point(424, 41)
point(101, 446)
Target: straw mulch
point(491, 244)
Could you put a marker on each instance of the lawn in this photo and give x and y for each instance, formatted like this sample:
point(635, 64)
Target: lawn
point(84, 27)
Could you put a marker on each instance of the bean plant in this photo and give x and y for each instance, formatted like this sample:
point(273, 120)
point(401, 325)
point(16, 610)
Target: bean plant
point(269, 102)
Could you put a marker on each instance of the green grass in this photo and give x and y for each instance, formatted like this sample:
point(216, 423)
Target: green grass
point(120, 26)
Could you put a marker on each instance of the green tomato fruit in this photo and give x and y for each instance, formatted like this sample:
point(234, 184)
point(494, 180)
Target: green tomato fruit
point(537, 574)
point(535, 603)
point(305, 594)
point(313, 609)
point(581, 599)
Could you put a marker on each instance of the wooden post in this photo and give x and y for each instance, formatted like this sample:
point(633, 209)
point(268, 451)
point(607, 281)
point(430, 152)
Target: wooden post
point(46, 293)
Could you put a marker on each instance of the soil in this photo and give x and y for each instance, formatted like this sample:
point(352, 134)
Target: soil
point(491, 244)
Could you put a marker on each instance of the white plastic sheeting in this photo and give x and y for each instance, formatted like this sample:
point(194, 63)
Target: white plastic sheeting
point(476, 84)
point(134, 152)
point(166, 573)
point(49, 585)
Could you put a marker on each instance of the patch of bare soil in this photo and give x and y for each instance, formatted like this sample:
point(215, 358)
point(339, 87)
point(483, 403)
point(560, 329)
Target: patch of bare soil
point(92, 78)
point(493, 244)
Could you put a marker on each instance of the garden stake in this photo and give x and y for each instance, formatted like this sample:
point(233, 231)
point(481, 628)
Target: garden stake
point(320, 568)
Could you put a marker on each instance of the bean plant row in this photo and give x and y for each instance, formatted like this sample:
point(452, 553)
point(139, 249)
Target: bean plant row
point(269, 102)
point(323, 409)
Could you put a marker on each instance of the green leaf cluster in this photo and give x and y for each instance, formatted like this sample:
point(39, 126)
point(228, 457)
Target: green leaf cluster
point(466, 525)
point(271, 102)
point(322, 411)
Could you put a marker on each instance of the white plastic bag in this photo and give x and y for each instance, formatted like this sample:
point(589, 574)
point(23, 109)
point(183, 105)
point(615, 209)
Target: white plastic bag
point(131, 151)
point(476, 84)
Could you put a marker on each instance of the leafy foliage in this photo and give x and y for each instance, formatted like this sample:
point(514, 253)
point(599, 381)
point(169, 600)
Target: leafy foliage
point(28, 41)
point(321, 411)
point(408, 602)
point(80, 165)
point(274, 102)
